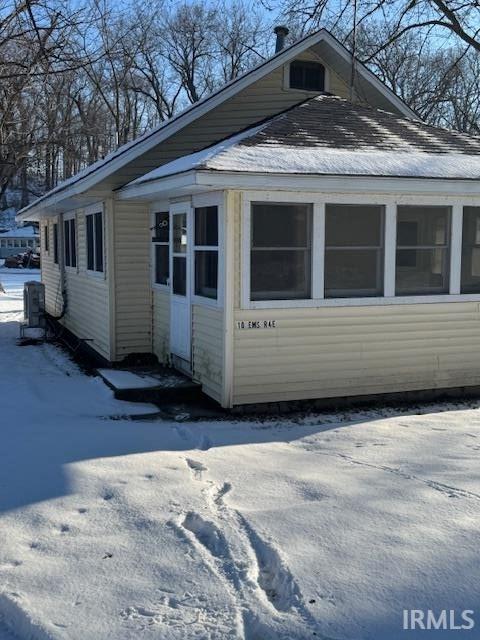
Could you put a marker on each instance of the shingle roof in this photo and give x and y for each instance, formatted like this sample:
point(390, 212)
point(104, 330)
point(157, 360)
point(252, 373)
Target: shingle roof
point(327, 135)
point(332, 122)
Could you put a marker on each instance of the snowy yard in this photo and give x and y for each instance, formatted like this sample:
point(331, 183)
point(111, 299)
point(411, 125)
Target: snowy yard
point(327, 526)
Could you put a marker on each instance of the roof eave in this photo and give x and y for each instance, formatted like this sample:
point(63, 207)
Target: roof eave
point(152, 189)
point(209, 180)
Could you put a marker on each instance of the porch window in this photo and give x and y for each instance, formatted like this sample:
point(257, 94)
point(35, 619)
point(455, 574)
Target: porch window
point(206, 252)
point(94, 223)
point(281, 251)
point(161, 240)
point(354, 241)
point(423, 250)
point(55, 243)
point(46, 238)
point(70, 243)
point(470, 279)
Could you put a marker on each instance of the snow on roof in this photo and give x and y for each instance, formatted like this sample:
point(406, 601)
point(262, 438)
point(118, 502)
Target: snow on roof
point(196, 160)
point(331, 136)
point(21, 232)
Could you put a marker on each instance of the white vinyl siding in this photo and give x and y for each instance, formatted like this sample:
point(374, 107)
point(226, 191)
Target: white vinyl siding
point(88, 299)
point(50, 274)
point(133, 297)
point(207, 349)
point(161, 325)
point(348, 351)
point(87, 313)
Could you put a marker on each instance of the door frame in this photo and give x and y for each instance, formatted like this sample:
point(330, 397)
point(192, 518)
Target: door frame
point(182, 360)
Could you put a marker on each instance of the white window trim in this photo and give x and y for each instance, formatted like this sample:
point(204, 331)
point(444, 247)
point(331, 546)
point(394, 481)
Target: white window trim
point(98, 207)
point(71, 215)
point(158, 207)
point(456, 229)
point(318, 248)
point(179, 207)
point(57, 222)
point(286, 76)
point(214, 199)
point(46, 230)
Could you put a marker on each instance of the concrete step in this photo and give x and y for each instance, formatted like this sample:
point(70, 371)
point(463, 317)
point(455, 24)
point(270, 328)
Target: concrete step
point(158, 385)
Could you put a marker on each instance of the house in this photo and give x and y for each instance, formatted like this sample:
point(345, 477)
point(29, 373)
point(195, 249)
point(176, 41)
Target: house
point(286, 238)
point(18, 240)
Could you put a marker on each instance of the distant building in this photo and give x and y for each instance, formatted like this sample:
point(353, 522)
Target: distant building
point(18, 240)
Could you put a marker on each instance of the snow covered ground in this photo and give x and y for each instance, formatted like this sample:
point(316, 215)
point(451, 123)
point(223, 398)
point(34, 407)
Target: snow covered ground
point(323, 526)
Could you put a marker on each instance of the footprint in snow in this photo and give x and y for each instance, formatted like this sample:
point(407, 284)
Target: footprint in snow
point(12, 564)
point(221, 492)
point(197, 468)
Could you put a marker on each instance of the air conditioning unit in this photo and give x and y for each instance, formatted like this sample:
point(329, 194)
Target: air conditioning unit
point(34, 305)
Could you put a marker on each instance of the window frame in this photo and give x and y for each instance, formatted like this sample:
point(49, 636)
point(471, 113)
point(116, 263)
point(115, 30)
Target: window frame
point(389, 202)
point(209, 248)
point(91, 211)
point(46, 238)
point(326, 78)
point(159, 207)
point(56, 247)
point(430, 247)
point(69, 217)
point(213, 199)
point(380, 250)
point(309, 247)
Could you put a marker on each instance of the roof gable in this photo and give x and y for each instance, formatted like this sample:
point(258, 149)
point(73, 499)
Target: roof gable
point(330, 136)
point(174, 138)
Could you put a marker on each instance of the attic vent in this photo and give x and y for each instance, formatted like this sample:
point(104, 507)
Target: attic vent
point(307, 76)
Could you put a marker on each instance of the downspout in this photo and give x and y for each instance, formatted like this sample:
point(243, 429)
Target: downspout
point(61, 266)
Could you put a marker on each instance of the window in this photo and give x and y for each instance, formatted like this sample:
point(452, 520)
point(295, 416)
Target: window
point(281, 247)
point(206, 252)
point(70, 242)
point(307, 76)
point(353, 250)
point(161, 240)
point(46, 238)
point(55, 243)
point(423, 250)
point(94, 223)
point(470, 279)
point(179, 260)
